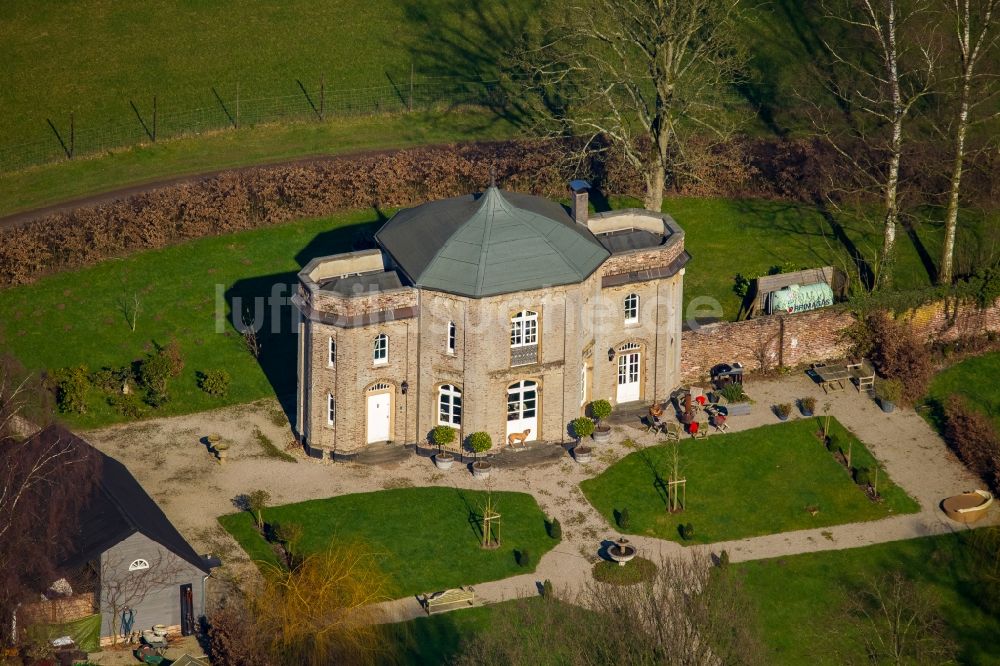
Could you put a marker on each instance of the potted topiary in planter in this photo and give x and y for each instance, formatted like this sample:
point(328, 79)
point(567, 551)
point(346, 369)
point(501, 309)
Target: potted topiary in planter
point(888, 392)
point(600, 410)
point(479, 443)
point(783, 411)
point(807, 406)
point(582, 427)
point(443, 435)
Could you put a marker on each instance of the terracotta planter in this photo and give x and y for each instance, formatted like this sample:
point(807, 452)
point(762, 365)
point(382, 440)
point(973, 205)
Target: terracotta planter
point(481, 469)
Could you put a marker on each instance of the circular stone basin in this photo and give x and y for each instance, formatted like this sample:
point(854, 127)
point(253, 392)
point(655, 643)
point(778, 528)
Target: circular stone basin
point(621, 552)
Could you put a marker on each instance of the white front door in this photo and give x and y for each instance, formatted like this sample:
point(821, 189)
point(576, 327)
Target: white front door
point(378, 417)
point(628, 377)
point(522, 409)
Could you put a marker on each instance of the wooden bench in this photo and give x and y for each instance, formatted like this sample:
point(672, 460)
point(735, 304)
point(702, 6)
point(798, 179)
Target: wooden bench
point(446, 600)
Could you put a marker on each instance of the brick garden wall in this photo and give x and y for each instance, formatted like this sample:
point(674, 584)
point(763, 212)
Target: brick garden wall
point(57, 611)
point(798, 339)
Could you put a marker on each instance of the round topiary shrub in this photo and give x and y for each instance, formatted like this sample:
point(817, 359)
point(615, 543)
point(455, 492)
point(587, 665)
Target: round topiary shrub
point(480, 442)
point(547, 591)
point(600, 410)
point(524, 558)
point(554, 529)
point(582, 427)
point(687, 532)
point(443, 435)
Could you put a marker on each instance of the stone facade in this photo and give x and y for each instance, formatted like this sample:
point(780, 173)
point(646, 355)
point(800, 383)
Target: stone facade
point(436, 339)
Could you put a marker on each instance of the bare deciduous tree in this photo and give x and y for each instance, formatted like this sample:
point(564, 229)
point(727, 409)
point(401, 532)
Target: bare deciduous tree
point(899, 625)
point(44, 482)
point(689, 614)
point(641, 75)
point(122, 588)
point(885, 65)
point(976, 38)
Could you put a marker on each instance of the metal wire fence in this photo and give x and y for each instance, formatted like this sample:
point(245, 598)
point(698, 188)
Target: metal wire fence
point(70, 140)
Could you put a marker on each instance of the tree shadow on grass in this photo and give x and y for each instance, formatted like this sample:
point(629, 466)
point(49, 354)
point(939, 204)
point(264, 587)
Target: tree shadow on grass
point(264, 302)
point(659, 483)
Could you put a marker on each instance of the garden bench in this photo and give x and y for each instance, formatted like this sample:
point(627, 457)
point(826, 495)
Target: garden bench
point(446, 600)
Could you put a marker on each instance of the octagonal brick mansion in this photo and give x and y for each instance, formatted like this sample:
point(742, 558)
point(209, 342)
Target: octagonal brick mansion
point(493, 311)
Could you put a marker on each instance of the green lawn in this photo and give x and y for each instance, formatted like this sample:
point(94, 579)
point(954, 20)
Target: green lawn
point(92, 57)
point(975, 379)
point(427, 538)
point(744, 484)
point(75, 317)
point(799, 598)
point(436, 639)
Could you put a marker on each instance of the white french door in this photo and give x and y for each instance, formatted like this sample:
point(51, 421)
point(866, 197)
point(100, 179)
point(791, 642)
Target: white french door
point(628, 377)
point(522, 409)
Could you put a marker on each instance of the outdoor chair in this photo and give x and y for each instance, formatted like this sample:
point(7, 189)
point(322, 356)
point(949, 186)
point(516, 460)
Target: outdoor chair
point(673, 432)
point(864, 375)
point(701, 432)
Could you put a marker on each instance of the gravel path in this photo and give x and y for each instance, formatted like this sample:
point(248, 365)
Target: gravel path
point(178, 471)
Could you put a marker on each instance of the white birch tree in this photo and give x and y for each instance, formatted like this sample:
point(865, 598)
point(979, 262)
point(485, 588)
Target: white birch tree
point(975, 37)
point(888, 65)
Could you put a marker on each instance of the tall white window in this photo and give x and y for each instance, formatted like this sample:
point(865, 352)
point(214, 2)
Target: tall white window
point(332, 352)
point(632, 309)
point(449, 406)
point(452, 331)
point(524, 329)
point(380, 350)
point(331, 409)
point(583, 384)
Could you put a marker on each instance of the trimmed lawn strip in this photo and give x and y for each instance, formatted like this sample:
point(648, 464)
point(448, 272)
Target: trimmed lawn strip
point(744, 484)
point(427, 539)
point(66, 180)
point(799, 598)
point(638, 570)
point(976, 380)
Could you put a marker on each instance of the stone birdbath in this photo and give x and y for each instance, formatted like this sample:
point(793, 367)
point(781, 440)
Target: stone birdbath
point(621, 551)
point(221, 448)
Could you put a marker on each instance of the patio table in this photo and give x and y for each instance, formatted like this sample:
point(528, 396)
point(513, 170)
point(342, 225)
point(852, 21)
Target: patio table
point(831, 377)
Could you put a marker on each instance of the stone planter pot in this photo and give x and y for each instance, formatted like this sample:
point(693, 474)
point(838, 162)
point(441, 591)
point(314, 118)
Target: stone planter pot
point(444, 460)
point(602, 433)
point(582, 454)
point(481, 469)
point(886, 405)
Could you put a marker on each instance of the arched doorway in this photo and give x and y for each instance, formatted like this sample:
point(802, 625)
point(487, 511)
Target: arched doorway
point(378, 399)
point(629, 373)
point(522, 408)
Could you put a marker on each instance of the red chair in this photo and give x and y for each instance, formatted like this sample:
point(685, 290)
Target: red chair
point(693, 428)
point(700, 399)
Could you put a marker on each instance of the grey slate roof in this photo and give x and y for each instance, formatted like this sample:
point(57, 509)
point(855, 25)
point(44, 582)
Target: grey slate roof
point(490, 243)
point(117, 508)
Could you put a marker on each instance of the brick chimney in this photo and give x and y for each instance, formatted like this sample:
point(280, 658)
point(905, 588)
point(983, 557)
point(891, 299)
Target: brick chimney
point(580, 201)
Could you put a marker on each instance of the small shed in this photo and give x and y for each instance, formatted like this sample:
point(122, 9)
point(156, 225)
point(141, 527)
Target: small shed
point(755, 304)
